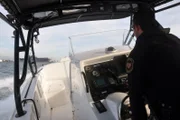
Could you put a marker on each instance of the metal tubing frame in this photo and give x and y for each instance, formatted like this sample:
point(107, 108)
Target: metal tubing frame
point(26, 56)
point(34, 60)
point(17, 50)
point(168, 7)
point(17, 81)
point(36, 111)
point(124, 43)
point(4, 18)
point(130, 30)
point(131, 38)
point(35, 72)
point(17, 94)
point(22, 37)
point(159, 10)
point(71, 46)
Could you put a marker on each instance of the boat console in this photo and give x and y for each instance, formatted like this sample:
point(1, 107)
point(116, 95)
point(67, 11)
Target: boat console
point(107, 77)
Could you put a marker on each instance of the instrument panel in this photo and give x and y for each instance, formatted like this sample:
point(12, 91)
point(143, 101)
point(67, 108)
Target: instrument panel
point(107, 77)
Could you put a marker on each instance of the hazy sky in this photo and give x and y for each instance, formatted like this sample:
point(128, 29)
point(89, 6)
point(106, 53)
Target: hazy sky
point(54, 42)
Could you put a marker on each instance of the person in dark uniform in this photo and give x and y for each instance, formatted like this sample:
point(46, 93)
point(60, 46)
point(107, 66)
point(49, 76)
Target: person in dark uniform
point(153, 68)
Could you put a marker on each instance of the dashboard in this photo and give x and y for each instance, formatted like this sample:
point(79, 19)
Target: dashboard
point(107, 77)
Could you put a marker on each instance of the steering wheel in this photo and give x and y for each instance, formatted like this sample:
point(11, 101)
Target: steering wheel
point(125, 112)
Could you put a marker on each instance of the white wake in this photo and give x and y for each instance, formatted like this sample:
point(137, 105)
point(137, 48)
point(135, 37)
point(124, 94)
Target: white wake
point(7, 104)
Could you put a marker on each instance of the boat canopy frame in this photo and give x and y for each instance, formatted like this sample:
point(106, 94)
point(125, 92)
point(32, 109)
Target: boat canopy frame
point(27, 45)
point(18, 81)
point(68, 11)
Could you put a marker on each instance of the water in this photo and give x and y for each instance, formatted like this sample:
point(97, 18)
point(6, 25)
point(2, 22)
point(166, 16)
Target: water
point(6, 87)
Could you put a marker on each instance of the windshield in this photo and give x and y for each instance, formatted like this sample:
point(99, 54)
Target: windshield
point(98, 40)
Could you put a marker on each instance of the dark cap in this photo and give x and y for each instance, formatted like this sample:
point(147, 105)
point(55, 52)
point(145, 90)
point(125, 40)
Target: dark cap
point(145, 17)
point(146, 10)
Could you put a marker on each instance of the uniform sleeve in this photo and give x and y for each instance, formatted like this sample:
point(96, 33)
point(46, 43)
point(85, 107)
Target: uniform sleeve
point(136, 71)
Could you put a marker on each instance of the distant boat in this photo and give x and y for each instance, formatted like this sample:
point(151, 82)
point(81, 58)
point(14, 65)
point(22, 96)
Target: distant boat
point(5, 60)
point(40, 59)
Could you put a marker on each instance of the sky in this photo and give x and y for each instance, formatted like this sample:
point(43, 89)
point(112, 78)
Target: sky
point(54, 41)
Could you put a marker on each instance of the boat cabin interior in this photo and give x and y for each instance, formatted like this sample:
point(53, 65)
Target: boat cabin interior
point(86, 88)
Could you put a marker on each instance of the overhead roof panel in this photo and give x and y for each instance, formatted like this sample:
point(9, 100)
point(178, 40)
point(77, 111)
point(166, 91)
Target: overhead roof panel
point(53, 12)
point(24, 5)
point(28, 4)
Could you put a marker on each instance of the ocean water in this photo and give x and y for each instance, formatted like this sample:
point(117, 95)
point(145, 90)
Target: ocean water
point(6, 87)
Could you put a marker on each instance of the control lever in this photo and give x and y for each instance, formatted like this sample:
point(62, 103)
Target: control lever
point(112, 73)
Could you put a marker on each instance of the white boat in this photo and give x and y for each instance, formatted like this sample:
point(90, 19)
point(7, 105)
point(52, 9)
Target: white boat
point(83, 86)
point(62, 92)
point(1, 60)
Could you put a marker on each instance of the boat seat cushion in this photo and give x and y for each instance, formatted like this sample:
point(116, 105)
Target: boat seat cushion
point(54, 71)
point(56, 93)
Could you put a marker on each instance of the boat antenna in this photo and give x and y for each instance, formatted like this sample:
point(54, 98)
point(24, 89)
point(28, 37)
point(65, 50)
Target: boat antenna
point(71, 46)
